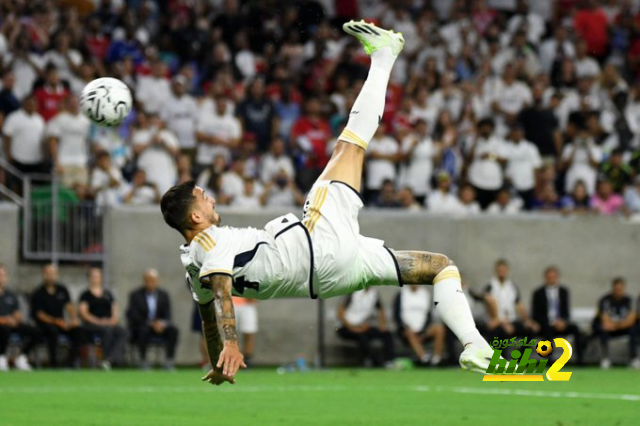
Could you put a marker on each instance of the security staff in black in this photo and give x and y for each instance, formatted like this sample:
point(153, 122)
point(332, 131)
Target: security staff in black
point(55, 315)
point(11, 323)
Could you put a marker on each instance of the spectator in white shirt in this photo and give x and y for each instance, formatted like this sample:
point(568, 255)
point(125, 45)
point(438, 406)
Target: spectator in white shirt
point(217, 132)
point(140, 191)
point(448, 96)
point(362, 319)
point(244, 59)
point(510, 98)
point(250, 197)
point(210, 179)
point(66, 59)
point(275, 160)
point(554, 50)
point(68, 138)
point(407, 200)
point(23, 132)
point(180, 114)
point(523, 161)
point(106, 181)
point(382, 157)
point(154, 91)
point(233, 179)
point(412, 313)
point(281, 191)
point(422, 109)
point(528, 21)
point(485, 157)
point(581, 159)
point(467, 198)
point(586, 66)
point(419, 154)
point(442, 199)
point(156, 150)
point(26, 66)
point(505, 204)
point(510, 317)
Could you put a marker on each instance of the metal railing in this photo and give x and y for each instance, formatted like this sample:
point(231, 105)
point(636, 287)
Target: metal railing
point(56, 225)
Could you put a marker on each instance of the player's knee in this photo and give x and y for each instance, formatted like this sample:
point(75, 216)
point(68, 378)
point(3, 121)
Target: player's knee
point(439, 262)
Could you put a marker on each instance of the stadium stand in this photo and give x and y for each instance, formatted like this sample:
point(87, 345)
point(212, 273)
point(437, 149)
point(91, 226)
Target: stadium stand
point(225, 78)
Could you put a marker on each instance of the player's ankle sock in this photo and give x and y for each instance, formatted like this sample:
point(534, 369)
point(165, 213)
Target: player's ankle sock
point(368, 108)
point(453, 307)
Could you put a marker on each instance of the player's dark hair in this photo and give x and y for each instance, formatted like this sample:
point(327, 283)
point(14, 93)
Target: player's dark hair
point(176, 205)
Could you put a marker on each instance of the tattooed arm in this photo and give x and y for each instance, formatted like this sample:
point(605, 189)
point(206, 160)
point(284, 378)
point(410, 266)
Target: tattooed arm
point(420, 267)
point(219, 328)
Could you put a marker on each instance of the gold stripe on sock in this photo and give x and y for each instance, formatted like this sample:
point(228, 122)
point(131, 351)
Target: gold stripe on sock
point(348, 136)
point(447, 274)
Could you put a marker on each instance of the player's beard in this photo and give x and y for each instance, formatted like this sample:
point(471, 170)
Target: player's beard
point(215, 219)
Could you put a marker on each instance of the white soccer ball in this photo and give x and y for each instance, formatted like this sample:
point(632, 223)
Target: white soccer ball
point(106, 101)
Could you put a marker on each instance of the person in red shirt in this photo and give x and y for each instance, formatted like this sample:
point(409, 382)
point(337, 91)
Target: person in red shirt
point(311, 133)
point(51, 94)
point(591, 24)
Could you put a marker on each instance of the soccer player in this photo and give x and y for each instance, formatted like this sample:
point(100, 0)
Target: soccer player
point(323, 255)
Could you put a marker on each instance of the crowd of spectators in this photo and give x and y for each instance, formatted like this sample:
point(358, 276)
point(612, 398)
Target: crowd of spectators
point(494, 105)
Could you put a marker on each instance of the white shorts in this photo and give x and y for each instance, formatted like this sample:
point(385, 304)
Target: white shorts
point(247, 318)
point(344, 260)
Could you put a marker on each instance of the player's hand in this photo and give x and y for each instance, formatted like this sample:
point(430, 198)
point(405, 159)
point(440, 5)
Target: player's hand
point(230, 360)
point(217, 378)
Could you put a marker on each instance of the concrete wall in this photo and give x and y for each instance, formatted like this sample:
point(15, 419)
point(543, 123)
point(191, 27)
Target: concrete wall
point(9, 246)
point(589, 251)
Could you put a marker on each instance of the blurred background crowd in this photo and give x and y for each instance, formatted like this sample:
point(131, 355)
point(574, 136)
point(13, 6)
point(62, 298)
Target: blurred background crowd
point(495, 106)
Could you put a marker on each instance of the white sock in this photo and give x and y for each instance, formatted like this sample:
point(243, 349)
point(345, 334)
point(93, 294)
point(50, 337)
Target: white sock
point(369, 105)
point(453, 307)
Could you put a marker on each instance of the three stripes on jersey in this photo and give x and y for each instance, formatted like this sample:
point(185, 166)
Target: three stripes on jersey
point(314, 210)
point(205, 241)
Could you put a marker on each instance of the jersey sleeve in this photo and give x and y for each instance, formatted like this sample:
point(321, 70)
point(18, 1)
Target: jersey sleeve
point(215, 254)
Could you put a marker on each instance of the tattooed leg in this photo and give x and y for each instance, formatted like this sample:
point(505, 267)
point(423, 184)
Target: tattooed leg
point(421, 267)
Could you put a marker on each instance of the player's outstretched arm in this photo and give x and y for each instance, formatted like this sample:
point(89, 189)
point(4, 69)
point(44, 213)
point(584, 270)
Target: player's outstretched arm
point(214, 344)
point(220, 332)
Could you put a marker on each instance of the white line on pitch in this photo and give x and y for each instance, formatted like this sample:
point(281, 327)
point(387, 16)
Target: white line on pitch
point(320, 388)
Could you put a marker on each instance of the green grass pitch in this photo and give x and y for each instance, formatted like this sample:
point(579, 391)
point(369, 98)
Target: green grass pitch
point(332, 397)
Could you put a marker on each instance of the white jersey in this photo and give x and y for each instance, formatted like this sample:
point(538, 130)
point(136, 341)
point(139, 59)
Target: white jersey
point(265, 263)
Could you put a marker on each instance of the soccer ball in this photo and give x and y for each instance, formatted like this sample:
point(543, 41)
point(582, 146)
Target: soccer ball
point(544, 348)
point(106, 101)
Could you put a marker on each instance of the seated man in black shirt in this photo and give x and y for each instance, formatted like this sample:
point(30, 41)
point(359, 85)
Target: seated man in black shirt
point(11, 322)
point(550, 308)
point(149, 314)
point(616, 317)
point(99, 314)
point(49, 303)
